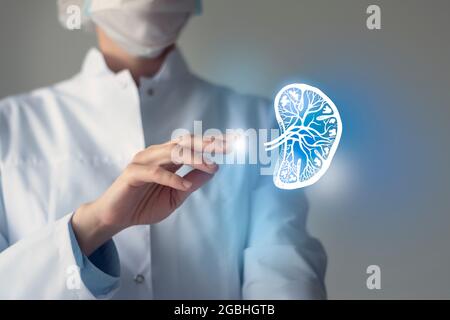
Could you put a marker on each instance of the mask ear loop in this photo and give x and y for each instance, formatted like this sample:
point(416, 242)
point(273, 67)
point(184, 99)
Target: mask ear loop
point(198, 7)
point(86, 8)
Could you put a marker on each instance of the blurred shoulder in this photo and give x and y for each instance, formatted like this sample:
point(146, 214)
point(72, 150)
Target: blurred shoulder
point(26, 114)
point(38, 98)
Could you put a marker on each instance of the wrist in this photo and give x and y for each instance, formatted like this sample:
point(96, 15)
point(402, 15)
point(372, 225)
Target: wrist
point(90, 229)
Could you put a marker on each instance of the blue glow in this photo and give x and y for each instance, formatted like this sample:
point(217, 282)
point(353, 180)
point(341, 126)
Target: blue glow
point(311, 129)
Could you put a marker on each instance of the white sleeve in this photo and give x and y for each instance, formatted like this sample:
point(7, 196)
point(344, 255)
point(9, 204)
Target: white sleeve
point(281, 260)
point(41, 266)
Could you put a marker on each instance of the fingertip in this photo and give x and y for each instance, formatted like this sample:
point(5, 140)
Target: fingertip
point(215, 168)
point(186, 184)
point(212, 165)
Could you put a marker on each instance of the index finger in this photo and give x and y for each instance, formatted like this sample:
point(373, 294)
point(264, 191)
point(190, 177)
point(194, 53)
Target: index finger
point(203, 144)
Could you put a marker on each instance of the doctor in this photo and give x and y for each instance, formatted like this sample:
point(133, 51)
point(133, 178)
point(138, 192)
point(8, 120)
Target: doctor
point(91, 206)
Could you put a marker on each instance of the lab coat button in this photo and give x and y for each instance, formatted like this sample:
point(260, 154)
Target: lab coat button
point(139, 279)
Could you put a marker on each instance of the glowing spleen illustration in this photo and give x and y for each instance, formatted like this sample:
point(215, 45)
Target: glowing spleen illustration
point(311, 129)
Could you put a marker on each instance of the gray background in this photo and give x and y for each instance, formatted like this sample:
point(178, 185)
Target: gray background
point(385, 199)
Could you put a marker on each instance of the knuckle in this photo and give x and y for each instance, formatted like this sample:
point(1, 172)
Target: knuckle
point(153, 170)
point(138, 156)
point(197, 158)
point(152, 147)
point(175, 180)
point(176, 154)
point(186, 137)
point(128, 172)
point(175, 147)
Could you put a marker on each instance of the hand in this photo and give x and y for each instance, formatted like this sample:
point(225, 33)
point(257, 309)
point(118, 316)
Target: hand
point(148, 191)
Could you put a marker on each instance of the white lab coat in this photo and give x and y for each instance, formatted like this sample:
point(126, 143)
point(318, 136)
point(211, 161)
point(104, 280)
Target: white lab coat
point(61, 146)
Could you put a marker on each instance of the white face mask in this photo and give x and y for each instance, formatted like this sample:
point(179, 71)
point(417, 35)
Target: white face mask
point(143, 28)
